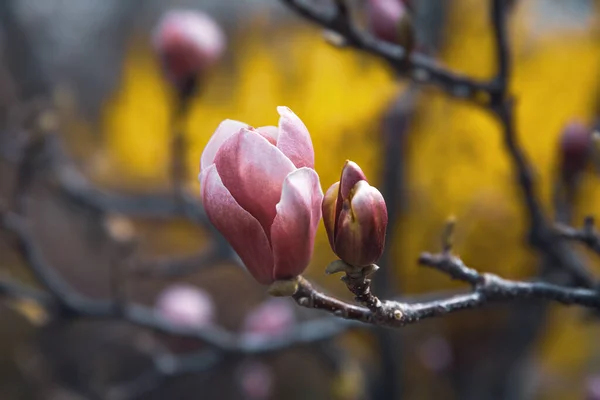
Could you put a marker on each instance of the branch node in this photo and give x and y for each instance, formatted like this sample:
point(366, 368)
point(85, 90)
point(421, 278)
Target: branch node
point(448, 235)
point(283, 288)
point(303, 301)
point(334, 38)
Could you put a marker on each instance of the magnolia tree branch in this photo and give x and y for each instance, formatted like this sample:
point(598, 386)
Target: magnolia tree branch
point(417, 66)
point(45, 149)
point(542, 235)
point(43, 152)
point(586, 235)
point(67, 302)
point(486, 288)
point(164, 367)
point(492, 95)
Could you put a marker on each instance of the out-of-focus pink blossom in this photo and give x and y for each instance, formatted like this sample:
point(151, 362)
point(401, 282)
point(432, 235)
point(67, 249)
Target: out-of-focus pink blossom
point(255, 380)
point(355, 217)
point(592, 387)
point(274, 317)
point(575, 148)
point(188, 44)
point(384, 18)
point(435, 353)
point(186, 305)
point(259, 189)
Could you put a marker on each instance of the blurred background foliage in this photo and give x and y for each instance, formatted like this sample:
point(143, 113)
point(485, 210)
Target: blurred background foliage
point(453, 161)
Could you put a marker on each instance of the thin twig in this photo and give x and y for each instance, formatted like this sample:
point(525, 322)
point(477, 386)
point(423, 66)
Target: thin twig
point(541, 234)
point(417, 66)
point(72, 304)
point(77, 188)
point(487, 288)
point(178, 152)
point(491, 95)
point(587, 234)
point(165, 366)
point(16, 290)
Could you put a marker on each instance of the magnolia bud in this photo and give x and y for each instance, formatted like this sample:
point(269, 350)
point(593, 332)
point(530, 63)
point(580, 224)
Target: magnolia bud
point(186, 306)
point(355, 217)
point(390, 20)
point(575, 149)
point(188, 44)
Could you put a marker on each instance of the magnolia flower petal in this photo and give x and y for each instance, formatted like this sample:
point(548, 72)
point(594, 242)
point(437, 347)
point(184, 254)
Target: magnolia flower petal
point(294, 228)
point(294, 140)
point(351, 174)
point(224, 131)
point(253, 171)
point(242, 230)
point(362, 223)
point(329, 208)
point(269, 132)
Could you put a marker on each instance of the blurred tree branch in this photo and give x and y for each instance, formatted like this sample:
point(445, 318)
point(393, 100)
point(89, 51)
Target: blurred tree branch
point(19, 54)
point(416, 66)
point(491, 95)
point(69, 303)
point(586, 235)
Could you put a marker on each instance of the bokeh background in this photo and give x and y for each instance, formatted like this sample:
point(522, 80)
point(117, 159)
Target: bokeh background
point(92, 61)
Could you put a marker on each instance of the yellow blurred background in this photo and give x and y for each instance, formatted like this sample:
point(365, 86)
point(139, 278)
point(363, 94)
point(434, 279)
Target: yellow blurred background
point(454, 157)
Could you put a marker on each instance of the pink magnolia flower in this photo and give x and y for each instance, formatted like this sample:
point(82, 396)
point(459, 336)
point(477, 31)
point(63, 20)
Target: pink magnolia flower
point(384, 18)
point(355, 218)
point(274, 317)
point(259, 189)
point(188, 43)
point(186, 305)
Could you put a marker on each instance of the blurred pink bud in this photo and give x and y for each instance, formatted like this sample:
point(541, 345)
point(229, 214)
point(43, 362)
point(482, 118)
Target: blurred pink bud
point(593, 387)
point(274, 317)
point(435, 353)
point(259, 189)
point(355, 218)
point(255, 380)
point(188, 44)
point(575, 148)
point(186, 305)
point(388, 20)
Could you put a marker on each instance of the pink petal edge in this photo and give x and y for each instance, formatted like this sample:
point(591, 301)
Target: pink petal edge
point(351, 175)
point(329, 211)
point(294, 228)
point(294, 139)
point(269, 132)
point(241, 229)
point(224, 131)
point(253, 170)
